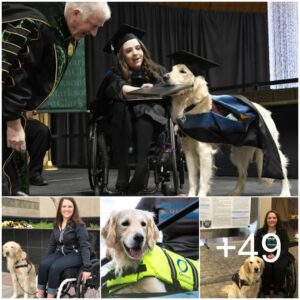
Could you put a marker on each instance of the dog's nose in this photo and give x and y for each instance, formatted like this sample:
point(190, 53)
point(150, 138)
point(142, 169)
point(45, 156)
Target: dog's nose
point(166, 77)
point(138, 238)
point(7, 253)
point(256, 270)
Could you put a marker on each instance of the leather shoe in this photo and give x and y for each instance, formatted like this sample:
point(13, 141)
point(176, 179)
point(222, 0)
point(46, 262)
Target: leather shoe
point(139, 181)
point(21, 194)
point(38, 180)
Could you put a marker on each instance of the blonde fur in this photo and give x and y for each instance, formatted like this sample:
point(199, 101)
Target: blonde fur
point(120, 233)
point(23, 279)
point(199, 155)
point(250, 272)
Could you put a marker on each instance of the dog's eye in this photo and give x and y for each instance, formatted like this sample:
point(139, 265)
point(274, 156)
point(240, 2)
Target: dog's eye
point(182, 71)
point(251, 262)
point(143, 223)
point(125, 223)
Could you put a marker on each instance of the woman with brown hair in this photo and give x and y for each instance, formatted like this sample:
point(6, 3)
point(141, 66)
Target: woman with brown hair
point(274, 272)
point(135, 69)
point(68, 247)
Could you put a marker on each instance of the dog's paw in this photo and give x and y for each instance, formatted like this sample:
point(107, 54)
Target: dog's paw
point(234, 193)
point(285, 194)
point(266, 181)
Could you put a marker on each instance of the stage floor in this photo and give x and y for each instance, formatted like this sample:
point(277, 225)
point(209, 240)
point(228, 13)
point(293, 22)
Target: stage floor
point(74, 182)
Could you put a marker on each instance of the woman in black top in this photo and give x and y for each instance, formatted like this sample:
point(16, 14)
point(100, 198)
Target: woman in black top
point(274, 272)
point(68, 247)
point(128, 119)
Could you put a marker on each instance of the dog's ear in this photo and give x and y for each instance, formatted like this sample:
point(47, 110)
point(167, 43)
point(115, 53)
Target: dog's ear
point(23, 255)
point(200, 89)
point(18, 250)
point(109, 230)
point(3, 250)
point(246, 267)
point(152, 232)
point(262, 264)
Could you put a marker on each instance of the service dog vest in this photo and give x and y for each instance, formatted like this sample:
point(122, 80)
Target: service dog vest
point(177, 272)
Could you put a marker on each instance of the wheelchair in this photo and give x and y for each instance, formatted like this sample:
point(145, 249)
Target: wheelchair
point(165, 161)
point(290, 285)
point(73, 287)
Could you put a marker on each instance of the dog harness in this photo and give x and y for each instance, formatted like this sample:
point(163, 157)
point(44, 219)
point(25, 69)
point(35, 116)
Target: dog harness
point(240, 282)
point(177, 272)
point(28, 263)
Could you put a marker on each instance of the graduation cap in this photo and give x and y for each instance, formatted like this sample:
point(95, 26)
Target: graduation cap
point(197, 64)
point(124, 34)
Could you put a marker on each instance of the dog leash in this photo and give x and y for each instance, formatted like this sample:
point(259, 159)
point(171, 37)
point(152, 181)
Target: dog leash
point(29, 263)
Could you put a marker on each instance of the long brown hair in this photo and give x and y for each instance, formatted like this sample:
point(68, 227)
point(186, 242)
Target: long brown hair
point(148, 67)
point(279, 225)
point(75, 218)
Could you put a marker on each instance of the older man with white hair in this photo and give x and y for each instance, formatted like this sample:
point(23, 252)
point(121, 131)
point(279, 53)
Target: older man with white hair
point(37, 45)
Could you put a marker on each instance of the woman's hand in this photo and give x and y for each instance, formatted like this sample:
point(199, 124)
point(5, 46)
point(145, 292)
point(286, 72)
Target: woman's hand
point(85, 276)
point(270, 256)
point(147, 85)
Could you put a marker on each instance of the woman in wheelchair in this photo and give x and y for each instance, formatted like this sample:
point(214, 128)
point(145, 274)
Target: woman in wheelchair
point(275, 272)
point(68, 247)
point(143, 121)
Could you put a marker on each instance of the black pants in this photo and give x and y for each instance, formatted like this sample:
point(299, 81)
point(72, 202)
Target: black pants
point(38, 140)
point(143, 130)
point(274, 274)
point(52, 266)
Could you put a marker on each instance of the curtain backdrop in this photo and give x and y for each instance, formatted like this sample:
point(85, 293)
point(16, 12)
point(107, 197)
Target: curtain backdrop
point(283, 40)
point(237, 41)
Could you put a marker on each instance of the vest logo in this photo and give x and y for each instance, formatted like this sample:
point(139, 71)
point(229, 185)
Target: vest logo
point(182, 265)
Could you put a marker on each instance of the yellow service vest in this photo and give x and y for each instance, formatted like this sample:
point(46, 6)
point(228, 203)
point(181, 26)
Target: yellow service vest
point(178, 272)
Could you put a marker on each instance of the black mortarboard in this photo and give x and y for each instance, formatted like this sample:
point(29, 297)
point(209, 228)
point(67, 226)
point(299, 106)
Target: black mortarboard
point(198, 65)
point(124, 34)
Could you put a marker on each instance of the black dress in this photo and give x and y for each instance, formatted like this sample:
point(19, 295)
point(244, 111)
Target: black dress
point(274, 273)
point(132, 121)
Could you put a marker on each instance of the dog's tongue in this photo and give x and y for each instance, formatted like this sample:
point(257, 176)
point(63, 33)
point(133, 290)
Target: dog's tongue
point(136, 253)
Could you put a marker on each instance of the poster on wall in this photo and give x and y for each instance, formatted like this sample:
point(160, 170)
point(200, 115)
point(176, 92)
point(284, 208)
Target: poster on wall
point(224, 212)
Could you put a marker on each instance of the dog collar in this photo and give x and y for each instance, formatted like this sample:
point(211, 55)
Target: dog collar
point(190, 107)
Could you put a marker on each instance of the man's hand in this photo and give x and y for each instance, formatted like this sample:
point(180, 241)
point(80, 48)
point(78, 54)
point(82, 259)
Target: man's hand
point(16, 136)
point(85, 276)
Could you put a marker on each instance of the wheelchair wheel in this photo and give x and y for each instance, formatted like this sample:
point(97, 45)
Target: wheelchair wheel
point(98, 160)
point(174, 159)
point(91, 289)
point(291, 278)
point(90, 154)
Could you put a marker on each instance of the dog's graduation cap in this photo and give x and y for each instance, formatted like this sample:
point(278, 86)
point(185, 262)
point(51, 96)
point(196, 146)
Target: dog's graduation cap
point(123, 34)
point(197, 64)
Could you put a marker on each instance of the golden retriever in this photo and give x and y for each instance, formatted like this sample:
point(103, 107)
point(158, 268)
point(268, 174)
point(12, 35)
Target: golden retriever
point(129, 234)
point(22, 271)
point(199, 155)
point(248, 282)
